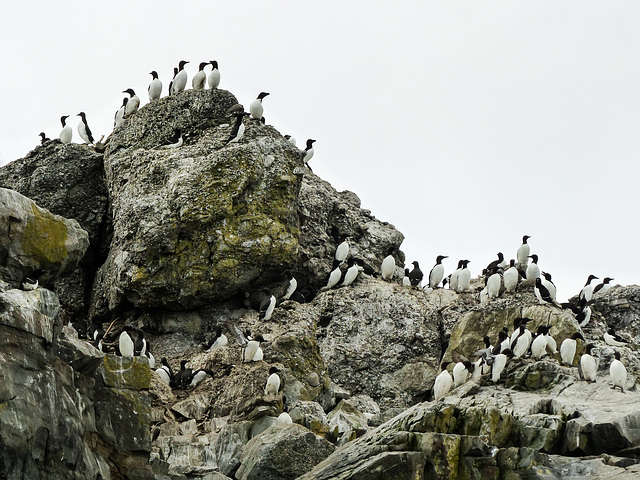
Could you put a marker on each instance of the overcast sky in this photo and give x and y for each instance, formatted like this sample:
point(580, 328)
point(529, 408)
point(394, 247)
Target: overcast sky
point(464, 124)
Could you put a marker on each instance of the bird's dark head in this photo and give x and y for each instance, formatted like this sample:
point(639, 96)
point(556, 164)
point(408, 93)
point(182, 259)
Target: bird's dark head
point(214, 64)
point(82, 115)
point(577, 335)
point(500, 256)
point(617, 355)
point(262, 95)
point(310, 143)
point(467, 262)
point(202, 65)
point(534, 258)
point(406, 271)
point(512, 263)
point(525, 238)
point(63, 119)
point(589, 348)
point(182, 64)
point(607, 279)
point(415, 264)
point(274, 370)
point(154, 74)
point(439, 258)
point(129, 91)
point(547, 276)
point(183, 363)
point(259, 338)
point(591, 277)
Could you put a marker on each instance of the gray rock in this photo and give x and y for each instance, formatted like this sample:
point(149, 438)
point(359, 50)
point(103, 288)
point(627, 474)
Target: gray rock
point(310, 415)
point(282, 452)
point(81, 355)
point(346, 422)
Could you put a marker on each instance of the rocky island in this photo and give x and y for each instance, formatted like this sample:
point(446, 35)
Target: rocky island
point(182, 245)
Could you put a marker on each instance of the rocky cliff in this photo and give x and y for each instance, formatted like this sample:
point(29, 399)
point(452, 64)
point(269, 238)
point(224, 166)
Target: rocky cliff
point(178, 244)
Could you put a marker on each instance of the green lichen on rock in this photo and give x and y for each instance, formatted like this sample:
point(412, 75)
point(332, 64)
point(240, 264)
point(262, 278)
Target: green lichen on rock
point(45, 236)
point(126, 373)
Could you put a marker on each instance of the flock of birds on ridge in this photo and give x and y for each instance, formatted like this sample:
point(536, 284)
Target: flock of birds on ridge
point(491, 360)
point(178, 84)
point(499, 277)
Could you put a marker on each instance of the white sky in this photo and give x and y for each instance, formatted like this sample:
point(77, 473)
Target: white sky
point(464, 124)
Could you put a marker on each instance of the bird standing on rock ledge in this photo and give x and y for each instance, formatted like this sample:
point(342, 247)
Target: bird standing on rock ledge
point(255, 108)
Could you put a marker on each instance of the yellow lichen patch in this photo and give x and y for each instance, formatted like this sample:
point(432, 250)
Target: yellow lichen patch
point(45, 237)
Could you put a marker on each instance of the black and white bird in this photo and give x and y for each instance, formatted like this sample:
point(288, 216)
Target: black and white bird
point(291, 284)
point(539, 343)
point(125, 344)
point(237, 132)
point(464, 277)
point(308, 151)
point(496, 264)
point(453, 278)
point(219, 340)
point(416, 275)
point(522, 255)
point(273, 382)
point(165, 372)
point(437, 272)
point(533, 271)
point(83, 129)
point(155, 87)
point(256, 108)
point(406, 280)
point(31, 282)
point(388, 266)
point(499, 363)
point(542, 293)
point(66, 134)
point(443, 382)
point(588, 365)
point(568, 348)
point(521, 337)
point(618, 372)
point(118, 118)
point(613, 339)
point(587, 290)
point(43, 138)
point(252, 351)
point(214, 76)
point(174, 141)
point(200, 78)
point(342, 250)
point(334, 276)
point(461, 372)
point(351, 274)
point(511, 277)
point(180, 80)
point(548, 284)
point(584, 315)
point(175, 72)
point(267, 306)
point(603, 286)
point(290, 139)
point(133, 104)
point(494, 284)
point(199, 376)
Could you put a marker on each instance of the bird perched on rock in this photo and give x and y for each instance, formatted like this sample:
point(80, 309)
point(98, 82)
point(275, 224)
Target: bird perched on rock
point(416, 275)
point(43, 138)
point(522, 255)
point(66, 133)
point(198, 376)
point(499, 363)
point(290, 139)
point(308, 151)
point(155, 87)
point(603, 287)
point(256, 108)
point(83, 129)
point(443, 382)
point(464, 277)
point(252, 352)
point(125, 344)
point(175, 72)
point(494, 284)
point(453, 278)
point(521, 337)
point(587, 290)
point(237, 132)
point(539, 343)
point(267, 306)
point(533, 271)
point(342, 250)
point(461, 372)
point(180, 80)
point(542, 294)
point(165, 373)
point(31, 281)
point(214, 76)
point(219, 340)
point(568, 348)
point(496, 264)
point(291, 284)
point(200, 78)
point(618, 372)
point(613, 339)
point(183, 377)
point(584, 315)
point(133, 104)
point(273, 382)
point(175, 140)
point(510, 277)
point(437, 272)
point(548, 284)
point(351, 273)
point(334, 276)
point(118, 118)
point(388, 266)
point(588, 365)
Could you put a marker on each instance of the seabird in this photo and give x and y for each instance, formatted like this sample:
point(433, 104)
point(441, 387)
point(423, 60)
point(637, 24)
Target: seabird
point(83, 129)
point(533, 271)
point(388, 266)
point(437, 272)
point(499, 362)
point(521, 338)
point(220, 340)
point(502, 343)
point(267, 306)
point(613, 339)
point(453, 278)
point(214, 76)
point(237, 132)
point(180, 80)
point(125, 343)
point(66, 134)
point(43, 138)
point(334, 276)
point(200, 78)
point(522, 254)
point(510, 277)
point(618, 372)
point(416, 275)
point(587, 290)
point(132, 104)
point(464, 277)
point(199, 376)
point(290, 139)
point(568, 348)
point(406, 281)
point(273, 382)
point(351, 273)
point(175, 72)
point(539, 344)
point(342, 250)
point(461, 372)
point(175, 140)
point(155, 87)
point(164, 375)
point(251, 349)
point(604, 286)
point(549, 285)
point(584, 316)
point(499, 263)
point(168, 371)
point(443, 383)
point(308, 151)
point(494, 284)
point(118, 119)
point(256, 108)
point(588, 365)
point(291, 285)
point(541, 292)
point(183, 377)
point(30, 283)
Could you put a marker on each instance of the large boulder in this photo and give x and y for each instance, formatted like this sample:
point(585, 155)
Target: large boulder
point(200, 223)
point(35, 239)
